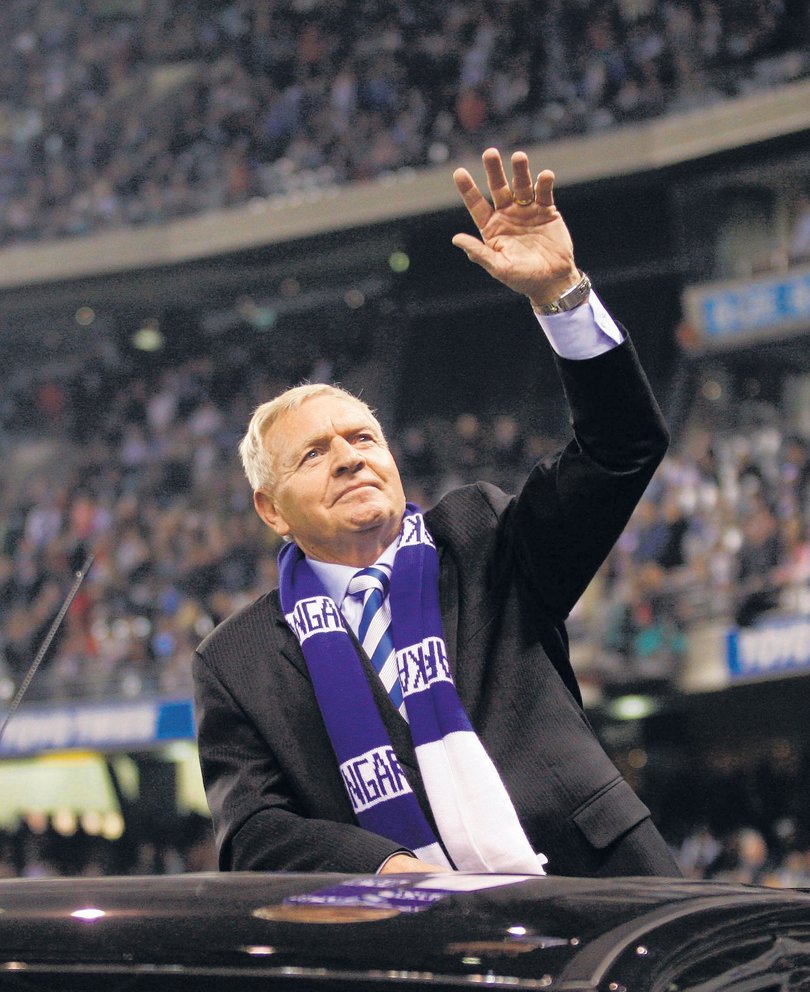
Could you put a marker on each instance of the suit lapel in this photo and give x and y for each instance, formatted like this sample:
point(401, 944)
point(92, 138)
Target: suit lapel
point(448, 605)
point(288, 646)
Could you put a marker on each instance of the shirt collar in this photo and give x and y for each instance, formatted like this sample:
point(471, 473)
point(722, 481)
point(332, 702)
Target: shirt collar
point(336, 578)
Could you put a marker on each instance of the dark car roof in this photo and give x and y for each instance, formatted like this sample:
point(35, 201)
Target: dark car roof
point(251, 930)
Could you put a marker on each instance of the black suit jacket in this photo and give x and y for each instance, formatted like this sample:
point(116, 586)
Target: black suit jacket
point(511, 568)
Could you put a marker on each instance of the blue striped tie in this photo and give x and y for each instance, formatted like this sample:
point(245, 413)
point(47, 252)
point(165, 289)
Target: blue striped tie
point(374, 632)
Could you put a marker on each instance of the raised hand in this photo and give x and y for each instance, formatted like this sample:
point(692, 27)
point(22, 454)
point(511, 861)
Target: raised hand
point(525, 243)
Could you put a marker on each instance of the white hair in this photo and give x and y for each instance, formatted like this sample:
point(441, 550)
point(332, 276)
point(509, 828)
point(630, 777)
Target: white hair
point(256, 459)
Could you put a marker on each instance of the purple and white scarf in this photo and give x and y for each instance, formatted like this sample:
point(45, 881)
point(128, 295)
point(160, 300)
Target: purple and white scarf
point(477, 823)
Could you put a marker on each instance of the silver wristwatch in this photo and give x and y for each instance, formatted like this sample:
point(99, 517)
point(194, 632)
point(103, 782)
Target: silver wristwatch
point(570, 299)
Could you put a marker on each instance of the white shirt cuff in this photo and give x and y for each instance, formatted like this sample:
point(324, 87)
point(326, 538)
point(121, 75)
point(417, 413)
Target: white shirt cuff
point(584, 332)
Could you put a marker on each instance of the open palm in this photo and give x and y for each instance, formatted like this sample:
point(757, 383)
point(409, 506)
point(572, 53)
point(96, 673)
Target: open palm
point(524, 243)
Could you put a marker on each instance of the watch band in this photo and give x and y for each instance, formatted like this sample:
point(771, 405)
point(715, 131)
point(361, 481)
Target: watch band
point(570, 299)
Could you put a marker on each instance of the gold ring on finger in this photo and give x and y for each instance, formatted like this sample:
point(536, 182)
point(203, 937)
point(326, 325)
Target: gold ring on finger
point(523, 203)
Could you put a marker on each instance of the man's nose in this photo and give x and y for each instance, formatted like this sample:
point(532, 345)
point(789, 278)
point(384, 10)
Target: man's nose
point(345, 457)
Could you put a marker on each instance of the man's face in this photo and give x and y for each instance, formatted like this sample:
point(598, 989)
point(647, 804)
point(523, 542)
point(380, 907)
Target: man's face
point(338, 493)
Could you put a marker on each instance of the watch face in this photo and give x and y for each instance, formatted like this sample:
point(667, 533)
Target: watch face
point(570, 299)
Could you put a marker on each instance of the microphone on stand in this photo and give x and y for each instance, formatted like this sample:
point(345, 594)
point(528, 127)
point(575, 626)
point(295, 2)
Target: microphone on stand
point(57, 622)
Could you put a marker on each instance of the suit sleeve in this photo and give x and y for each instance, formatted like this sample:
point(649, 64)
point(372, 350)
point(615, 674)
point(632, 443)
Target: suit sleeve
point(574, 506)
point(258, 824)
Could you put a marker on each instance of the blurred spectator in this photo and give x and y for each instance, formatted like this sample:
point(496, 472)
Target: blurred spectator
point(743, 858)
point(800, 239)
point(759, 557)
point(699, 850)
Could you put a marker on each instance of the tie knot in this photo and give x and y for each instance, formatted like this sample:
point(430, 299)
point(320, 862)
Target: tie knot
point(369, 578)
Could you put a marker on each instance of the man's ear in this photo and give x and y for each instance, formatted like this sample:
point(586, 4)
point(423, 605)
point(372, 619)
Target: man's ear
point(267, 510)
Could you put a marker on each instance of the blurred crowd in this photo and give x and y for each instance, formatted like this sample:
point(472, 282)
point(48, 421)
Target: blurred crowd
point(721, 536)
point(742, 814)
point(122, 112)
point(42, 847)
point(141, 469)
point(64, 844)
point(153, 489)
point(128, 112)
point(744, 856)
point(143, 473)
point(749, 828)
